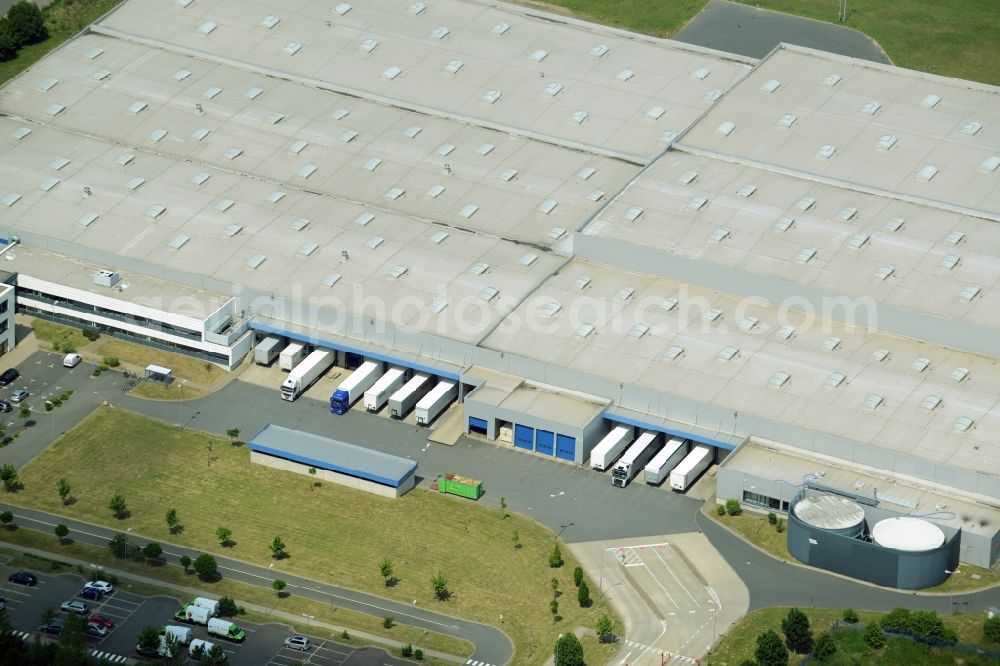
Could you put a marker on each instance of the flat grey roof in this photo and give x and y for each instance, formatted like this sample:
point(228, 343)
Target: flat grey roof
point(325, 453)
point(544, 402)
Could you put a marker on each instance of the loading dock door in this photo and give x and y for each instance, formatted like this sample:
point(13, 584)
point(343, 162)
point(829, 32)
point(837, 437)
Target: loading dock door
point(566, 447)
point(544, 442)
point(524, 437)
point(477, 425)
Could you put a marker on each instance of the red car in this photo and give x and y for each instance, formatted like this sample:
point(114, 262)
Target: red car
point(101, 620)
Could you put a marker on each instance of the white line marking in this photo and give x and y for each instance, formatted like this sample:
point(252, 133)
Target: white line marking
point(671, 572)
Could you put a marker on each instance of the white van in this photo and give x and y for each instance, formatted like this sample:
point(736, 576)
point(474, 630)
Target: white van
point(71, 360)
point(212, 605)
point(180, 634)
point(199, 643)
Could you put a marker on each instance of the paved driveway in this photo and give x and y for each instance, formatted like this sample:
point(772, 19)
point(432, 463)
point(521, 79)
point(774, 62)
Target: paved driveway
point(748, 31)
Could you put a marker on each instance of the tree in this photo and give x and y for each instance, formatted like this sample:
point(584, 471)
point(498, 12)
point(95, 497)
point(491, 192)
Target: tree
point(172, 520)
point(733, 507)
point(795, 627)
point(385, 568)
point(568, 651)
point(824, 647)
point(278, 585)
point(577, 576)
point(554, 607)
point(149, 639)
point(224, 534)
point(6, 518)
point(929, 625)
point(8, 474)
point(216, 656)
point(228, 607)
point(8, 47)
point(117, 506)
point(555, 559)
point(278, 548)
point(440, 586)
point(516, 538)
point(152, 550)
point(991, 629)
point(121, 547)
point(503, 508)
point(63, 488)
point(185, 562)
point(770, 650)
point(205, 566)
point(26, 24)
point(583, 594)
point(25, 413)
point(605, 629)
point(72, 643)
point(233, 434)
point(61, 532)
point(555, 587)
point(48, 614)
point(898, 619)
point(873, 636)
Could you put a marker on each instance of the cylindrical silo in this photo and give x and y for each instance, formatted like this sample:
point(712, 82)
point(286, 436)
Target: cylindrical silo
point(832, 513)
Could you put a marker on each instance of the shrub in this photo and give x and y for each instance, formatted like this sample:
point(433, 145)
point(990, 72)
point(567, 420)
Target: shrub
point(568, 651)
point(227, 607)
point(577, 576)
point(8, 48)
point(873, 636)
point(780, 526)
point(720, 510)
point(850, 616)
point(406, 650)
point(583, 595)
point(929, 625)
point(48, 406)
point(91, 334)
point(824, 648)
point(418, 654)
point(102, 367)
point(795, 627)
point(69, 347)
point(112, 361)
point(898, 619)
point(772, 517)
point(96, 372)
point(387, 622)
point(205, 566)
point(733, 507)
point(56, 401)
point(770, 650)
point(555, 558)
point(346, 636)
point(991, 629)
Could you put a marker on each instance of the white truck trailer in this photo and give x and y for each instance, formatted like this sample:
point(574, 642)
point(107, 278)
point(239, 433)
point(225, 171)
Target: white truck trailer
point(403, 400)
point(352, 388)
point(436, 401)
point(267, 350)
point(688, 470)
point(305, 373)
point(291, 355)
point(387, 384)
point(609, 448)
point(635, 458)
point(669, 456)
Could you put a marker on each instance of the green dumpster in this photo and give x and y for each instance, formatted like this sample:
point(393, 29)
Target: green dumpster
point(461, 486)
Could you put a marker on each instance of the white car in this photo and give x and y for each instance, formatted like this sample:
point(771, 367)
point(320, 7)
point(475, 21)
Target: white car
point(101, 585)
point(71, 360)
point(77, 607)
point(19, 395)
point(298, 643)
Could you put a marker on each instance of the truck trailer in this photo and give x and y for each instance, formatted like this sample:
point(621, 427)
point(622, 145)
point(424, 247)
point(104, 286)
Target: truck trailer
point(305, 373)
point(389, 383)
point(267, 350)
point(640, 453)
point(436, 401)
point(403, 400)
point(291, 355)
point(352, 388)
point(609, 448)
point(672, 453)
point(696, 462)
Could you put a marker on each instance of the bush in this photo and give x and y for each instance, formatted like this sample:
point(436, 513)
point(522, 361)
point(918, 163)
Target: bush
point(795, 627)
point(991, 629)
point(346, 636)
point(824, 648)
point(387, 622)
point(68, 347)
point(583, 595)
point(780, 526)
point(205, 566)
point(418, 654)
point(772, 517)
point(770, 650)
point(406, 650)
point(555, 558)
point(850, 616)
point(577, 576)
point(733, 507)
point(112, 361)
point(227, 607)
point(928, 624)
point(898, 619)
point(720, 509)
point(96, 372)
point(568, 651)
point(102, 367)
point(8, 48)
point(873, 636)
point(48, 406)
point(91, 334)
point(56, 401)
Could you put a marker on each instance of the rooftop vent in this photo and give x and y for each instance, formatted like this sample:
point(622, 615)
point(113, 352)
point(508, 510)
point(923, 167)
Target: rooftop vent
point(269, 22)
point(453, 66)
point(883, 272)
point(719, 235)
point(700, 73)
point(958, 374)
point(434, 191)
point(364, 218)
point(886, 142)
point(578, 116)
point(624, 293)
point(394, 193)
point(920, 364)
point(438, 237)
point(926, 173)
point(805, 203)
point(633, 214)
point(485, 149)
point(488, 294)
point(598, 50)
point(949, 261)
point(728, 353)
point(479, 268)
point(538, 56)
point(872, 401)
point(880, 355)
point(547, 206)
point(440, 32)
point(779, 379)
point(638, 331)
point(528, 259)
point(581, 282)
point(969, 292)
point(847, 213)
point(930, 101)
point(491, 96)
point(331, 279)
point(826, 151)
point(656, 112)
point(787, 120)
point(771, 85)
point(858, 241)
point(298, 224)
point(805, 255)
point(972, 127)
point(673, 351)
point(255, 261)
point(962, 423)
point(179, 241)
point(668, 304)
point(893, 225)
point(785, 332)
point(831, 80)
point(274, 197)
point(583, 330)
point(746, 191)
point(834, 380)
point(831, 343)
point(468, 210)
point(625, 75)
point(748, 324)
point(870, 108)
point(391, 72)
point(726, 128)
point(105, 278)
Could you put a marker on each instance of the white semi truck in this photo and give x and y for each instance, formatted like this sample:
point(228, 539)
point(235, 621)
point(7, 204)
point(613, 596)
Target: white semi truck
point(696, 462)
point(267, 350)
point(291, 355)
point(609, 448)
point(403, 400)
point(387, 384)
point(436, 401)
point(305, 373)
point(352, 388)
point(669, 456)
point(635, 458)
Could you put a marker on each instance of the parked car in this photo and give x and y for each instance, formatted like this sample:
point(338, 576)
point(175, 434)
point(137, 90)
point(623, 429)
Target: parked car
point(53, 627)
point(90, 593)
point(96, 630)
point(23, 578)
point(102, 620)
point(5, 406)
point(9, 375)
point(3, 603)
point(71, 360)
point(73, 606)
point(104, 586)
point(19, 395)
point(297, 643)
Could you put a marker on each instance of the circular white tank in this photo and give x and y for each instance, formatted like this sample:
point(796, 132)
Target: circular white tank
point(905, 533)
point(832, 513)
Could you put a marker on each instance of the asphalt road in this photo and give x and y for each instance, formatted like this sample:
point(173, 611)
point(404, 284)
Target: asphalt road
point(753, 32)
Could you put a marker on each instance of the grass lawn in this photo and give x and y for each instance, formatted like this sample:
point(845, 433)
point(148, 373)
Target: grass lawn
point(184, 367)
point(52, 333)
point(243, 593)
point(741, 640)
point(63, 18)
point(158, 391)
point(332, 533)
point(954, 38)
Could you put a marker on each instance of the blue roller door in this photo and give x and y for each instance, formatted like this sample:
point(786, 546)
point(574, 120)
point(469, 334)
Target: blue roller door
point(475, 423)
point(544, 441)
point(524, 437)
point(566, 447)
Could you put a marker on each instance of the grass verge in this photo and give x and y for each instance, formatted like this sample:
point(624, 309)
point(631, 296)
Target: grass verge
point(52, 333)
point(243, 593)
point(184, 367)
point(332, 533)
point(156, 391)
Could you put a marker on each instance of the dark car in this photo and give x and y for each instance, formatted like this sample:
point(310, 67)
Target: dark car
point(5, 406)
point(23, 578)
point(9, 375)
point(90, 593)
point(54, 627)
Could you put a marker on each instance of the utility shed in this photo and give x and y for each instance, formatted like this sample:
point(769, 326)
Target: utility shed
point(335, 461)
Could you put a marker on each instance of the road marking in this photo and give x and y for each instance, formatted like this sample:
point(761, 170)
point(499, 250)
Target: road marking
point(671, 572)
point(625, 660)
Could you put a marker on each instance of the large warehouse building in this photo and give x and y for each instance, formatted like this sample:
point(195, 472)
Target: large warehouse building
point(584, 226)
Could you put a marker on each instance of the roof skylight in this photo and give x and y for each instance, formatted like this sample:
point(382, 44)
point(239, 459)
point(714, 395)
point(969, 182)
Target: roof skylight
point(883, 272)
point(728, 353)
